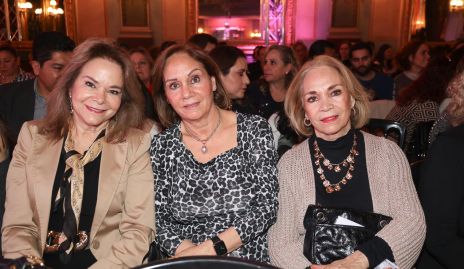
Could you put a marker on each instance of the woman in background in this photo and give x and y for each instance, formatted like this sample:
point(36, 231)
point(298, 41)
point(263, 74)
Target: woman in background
point(421, 100)
point(385, 60)
point(10, 70)
point(215, 169)
point(412, 59)
point(83, 173)
point(441, 188)
point(340, 166)
point(143, 65)
point(234, 76)
point(268, 95)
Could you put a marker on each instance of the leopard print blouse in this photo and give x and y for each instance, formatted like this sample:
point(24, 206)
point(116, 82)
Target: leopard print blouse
point(237, 188)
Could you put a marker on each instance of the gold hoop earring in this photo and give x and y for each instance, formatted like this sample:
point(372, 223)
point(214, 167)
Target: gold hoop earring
point(307, 122)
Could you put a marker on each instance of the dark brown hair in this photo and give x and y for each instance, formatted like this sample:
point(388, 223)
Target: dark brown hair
point(408, 50)
point(166, 113)
point(225, 57)
point(432, 83)
point(130, 114)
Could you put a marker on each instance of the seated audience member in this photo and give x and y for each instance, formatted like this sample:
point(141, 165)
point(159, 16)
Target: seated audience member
point(301, 52)
point(378, 85)
point(92, 204)
point(215, 169)
point(340, 167)
point(27, 100)
point(321, 47)
point(256, 68)
point(267, 95)
point(10, 70)
point(234, 76)
point(385, 60)
point(143, 65)
point(344, 53)
point(420, 101)
point(203, 41)
point(441, 188)
point(413, 58)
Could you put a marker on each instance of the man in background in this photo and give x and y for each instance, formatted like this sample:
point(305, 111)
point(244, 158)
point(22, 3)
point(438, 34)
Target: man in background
point(27, 100)
point(378, 85)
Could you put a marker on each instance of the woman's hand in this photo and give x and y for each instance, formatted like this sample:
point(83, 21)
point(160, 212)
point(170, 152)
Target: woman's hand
point(357, 260)
point(204, 249)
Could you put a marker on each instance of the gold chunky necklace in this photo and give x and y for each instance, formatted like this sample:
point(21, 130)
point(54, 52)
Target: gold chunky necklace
point(348, 162)
point(204, 149)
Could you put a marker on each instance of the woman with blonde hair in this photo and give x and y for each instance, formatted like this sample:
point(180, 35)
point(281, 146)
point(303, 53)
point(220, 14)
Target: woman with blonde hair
point(80, 184)
point(268, 94)
point(341, 177)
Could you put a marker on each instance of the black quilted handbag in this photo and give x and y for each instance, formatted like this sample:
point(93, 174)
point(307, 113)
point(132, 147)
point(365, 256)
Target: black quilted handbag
point(326, 241)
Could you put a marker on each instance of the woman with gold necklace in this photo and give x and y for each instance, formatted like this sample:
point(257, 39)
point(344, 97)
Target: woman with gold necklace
point(341, 169)
point(215, 170)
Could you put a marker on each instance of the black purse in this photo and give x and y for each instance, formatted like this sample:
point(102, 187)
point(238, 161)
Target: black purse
point(155, 253)
point(326, 241)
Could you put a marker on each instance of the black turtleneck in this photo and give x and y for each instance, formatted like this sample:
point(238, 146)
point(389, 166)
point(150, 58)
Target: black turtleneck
point(355, 194)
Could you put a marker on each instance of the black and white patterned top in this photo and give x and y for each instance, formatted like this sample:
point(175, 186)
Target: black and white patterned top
point(238, 188)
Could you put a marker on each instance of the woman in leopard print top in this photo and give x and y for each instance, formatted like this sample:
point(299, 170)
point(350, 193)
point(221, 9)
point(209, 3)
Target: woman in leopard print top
point(215, 170)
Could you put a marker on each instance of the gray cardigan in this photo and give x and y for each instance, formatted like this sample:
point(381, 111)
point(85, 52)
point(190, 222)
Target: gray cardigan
point(393, 194)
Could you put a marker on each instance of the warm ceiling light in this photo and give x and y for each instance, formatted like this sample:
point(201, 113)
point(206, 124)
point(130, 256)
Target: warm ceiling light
point(25, 5)
point(200, 30)
point(38, 11)
point(52, 3)
point(456, 5)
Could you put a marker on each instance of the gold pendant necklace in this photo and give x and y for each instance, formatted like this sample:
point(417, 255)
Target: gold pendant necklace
point(347, 162)
point(204, 149)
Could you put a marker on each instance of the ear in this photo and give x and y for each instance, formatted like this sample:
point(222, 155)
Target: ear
point(353, 101)
point(35, 67)
point(288, 68)
point(213, 83)
point(411, 58)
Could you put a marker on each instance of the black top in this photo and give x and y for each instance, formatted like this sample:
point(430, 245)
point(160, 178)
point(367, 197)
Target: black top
point(17, 101)
point(260, 97)
point(244, 106)
point(82, 259)
point(355, 194)
point(441, 190)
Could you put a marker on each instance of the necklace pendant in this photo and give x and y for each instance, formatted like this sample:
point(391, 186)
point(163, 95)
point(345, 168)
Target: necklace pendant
point(326, 162)
point(348, 175)
point(329, 189)
point(204, 150)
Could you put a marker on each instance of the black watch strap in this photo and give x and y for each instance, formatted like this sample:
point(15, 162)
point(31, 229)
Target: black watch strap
point(219, 246)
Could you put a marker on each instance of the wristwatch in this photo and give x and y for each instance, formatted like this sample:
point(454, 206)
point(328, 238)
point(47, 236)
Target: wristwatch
point(219, 246)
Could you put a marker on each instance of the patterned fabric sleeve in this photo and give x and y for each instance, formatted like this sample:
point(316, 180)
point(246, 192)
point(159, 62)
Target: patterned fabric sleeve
point(168, 232)
point(261, 165)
